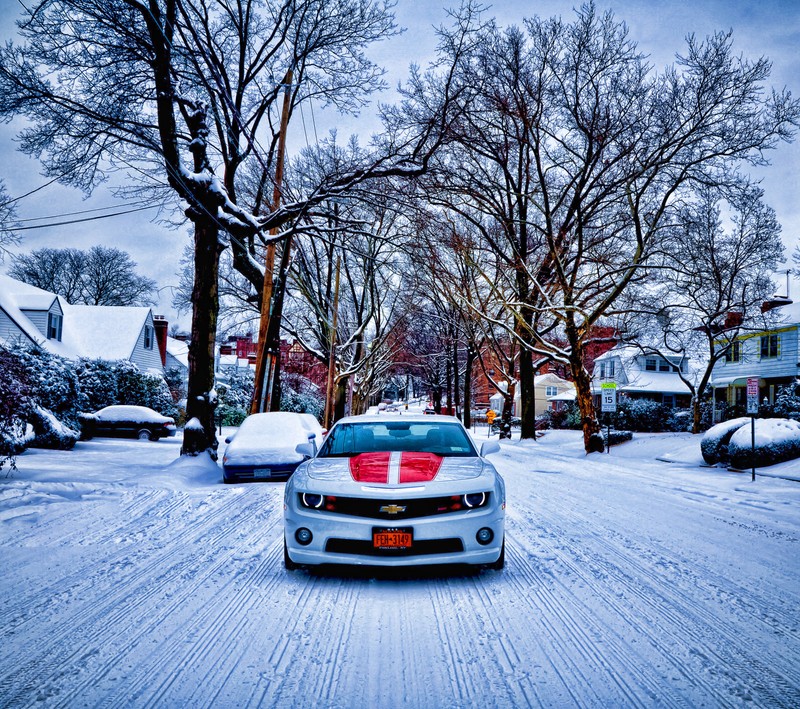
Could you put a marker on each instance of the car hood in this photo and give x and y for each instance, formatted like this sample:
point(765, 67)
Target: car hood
point(251, 453)
point(395, 469)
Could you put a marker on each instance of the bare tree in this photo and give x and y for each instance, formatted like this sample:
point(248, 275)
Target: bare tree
point(709, 287)
point(581, 155)
point(8, 220)
point(101, 276)
point(180, 94)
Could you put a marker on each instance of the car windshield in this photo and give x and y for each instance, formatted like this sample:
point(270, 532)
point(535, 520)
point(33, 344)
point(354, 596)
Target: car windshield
point(445, 439)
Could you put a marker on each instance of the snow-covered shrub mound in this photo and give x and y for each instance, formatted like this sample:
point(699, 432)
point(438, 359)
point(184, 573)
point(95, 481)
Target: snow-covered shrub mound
point(714, 444)
point(776, 441)
point(616, 437)
point(50, 432)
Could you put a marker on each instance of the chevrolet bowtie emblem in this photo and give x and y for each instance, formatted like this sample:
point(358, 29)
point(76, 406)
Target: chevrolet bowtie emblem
point(393, 509)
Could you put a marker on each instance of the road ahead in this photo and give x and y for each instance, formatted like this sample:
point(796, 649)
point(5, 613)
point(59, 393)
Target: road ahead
point(627, 584)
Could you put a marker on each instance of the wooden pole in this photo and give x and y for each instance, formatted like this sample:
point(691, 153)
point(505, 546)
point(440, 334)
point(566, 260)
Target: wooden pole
point(264, 367)
point(332, 354)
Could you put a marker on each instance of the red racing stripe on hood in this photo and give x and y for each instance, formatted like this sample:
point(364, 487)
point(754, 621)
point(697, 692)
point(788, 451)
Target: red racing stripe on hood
point(370, 467)
point(419, 467)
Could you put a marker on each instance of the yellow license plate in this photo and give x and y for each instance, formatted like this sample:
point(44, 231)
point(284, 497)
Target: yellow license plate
point(392, 538)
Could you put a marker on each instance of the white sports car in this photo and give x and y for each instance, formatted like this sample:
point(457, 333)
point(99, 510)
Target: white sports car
point(396, 491)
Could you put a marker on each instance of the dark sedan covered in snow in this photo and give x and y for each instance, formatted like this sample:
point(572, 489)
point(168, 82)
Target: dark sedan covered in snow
point(127, 421)
point(386, 491)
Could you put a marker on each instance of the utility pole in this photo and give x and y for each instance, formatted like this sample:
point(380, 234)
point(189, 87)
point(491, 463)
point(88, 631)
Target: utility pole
point(332, 354)
point(266, 357)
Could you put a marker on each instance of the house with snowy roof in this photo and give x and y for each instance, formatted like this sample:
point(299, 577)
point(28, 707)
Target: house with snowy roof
point(35, 316)
point(770, 354)
point(643, 376)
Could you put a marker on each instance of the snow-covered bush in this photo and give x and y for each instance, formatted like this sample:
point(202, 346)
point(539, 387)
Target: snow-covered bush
point(714, 444)
point(776, 441)
point(234, 393)
point(569, 417)
point(108, 382)
point(641, 415)
point(49, 432)
point(52, 380)
point(15, 398)
point(615, 437)
point(787, 402)
point(301, 395)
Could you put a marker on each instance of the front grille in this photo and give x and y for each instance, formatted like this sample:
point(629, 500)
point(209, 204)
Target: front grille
point(417, 507)
point(421, 547)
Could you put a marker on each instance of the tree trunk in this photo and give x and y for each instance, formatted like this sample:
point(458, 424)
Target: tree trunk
point(340, 402)
point(468, 387)
point(592, 439)
point(200, 403)
point(505, 417)
point(527, 393)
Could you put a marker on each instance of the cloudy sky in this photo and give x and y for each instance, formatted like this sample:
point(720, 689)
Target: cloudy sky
point(766, 28)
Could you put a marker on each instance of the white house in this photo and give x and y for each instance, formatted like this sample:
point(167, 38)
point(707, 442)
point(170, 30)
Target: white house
point(771, 355)
point(32, 315)
point(547, 388)
point(642, 376)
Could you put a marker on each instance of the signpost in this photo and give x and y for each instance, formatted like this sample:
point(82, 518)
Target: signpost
point(752, 409)
point(608, 405)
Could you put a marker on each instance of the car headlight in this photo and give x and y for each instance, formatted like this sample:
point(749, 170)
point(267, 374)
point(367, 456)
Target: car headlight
point(311, 500)
point(475, 499)
point(315, 501)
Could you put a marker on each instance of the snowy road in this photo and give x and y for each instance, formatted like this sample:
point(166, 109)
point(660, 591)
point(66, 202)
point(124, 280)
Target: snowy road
point(628, 583)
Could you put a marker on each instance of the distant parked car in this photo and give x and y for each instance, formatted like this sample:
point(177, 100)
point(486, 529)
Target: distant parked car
point(127, 422)
point(270, 446)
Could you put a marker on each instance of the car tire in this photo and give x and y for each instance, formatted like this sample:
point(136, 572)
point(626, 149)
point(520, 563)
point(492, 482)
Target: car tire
point(288, 564)
point(144, 435)
point(499, 565)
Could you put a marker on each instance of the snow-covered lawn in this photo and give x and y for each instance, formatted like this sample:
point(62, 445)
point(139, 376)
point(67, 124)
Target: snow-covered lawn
point(133, 579)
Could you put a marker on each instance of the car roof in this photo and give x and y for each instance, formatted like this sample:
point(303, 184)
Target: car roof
point(378, 418)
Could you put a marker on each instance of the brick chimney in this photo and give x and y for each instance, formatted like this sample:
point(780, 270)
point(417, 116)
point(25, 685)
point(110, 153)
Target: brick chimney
point(160, 324)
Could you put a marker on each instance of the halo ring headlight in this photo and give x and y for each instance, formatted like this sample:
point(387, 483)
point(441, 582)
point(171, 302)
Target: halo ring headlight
point(475, 499)
point(312, 500)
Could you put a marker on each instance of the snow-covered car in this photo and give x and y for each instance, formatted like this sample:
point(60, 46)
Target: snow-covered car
point(127, 421)
point(270, 446)
point(385, 491)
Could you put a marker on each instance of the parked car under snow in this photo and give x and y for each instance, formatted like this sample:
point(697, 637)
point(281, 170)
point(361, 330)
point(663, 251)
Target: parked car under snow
point(127, 421)
point(270, 446)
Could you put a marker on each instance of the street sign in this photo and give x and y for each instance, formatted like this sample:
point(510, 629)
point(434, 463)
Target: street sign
point(752, 395)
point(608, 391)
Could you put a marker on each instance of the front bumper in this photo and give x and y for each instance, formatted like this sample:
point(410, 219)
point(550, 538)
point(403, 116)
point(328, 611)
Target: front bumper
point(441, 539)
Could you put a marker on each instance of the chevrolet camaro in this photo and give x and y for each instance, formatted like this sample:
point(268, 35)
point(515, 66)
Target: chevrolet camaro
point(389, 490)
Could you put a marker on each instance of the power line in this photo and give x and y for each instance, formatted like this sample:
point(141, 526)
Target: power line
point(78, 221)
point(138, 203)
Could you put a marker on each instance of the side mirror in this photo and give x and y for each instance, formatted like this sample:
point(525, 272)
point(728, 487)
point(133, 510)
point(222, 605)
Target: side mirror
point(489, 447)
point(228, 439)
point(307, 450)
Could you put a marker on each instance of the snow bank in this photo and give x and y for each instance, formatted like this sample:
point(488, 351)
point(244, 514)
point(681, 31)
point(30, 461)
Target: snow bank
point(714, 444)
point(776, 441)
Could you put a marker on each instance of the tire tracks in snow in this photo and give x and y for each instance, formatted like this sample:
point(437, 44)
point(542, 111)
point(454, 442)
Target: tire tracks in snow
point(621, 575)
point(106, 619)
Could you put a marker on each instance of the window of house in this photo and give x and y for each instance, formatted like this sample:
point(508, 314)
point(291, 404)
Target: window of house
point(650, 364)
point(54, 322)
point(734, 352)
point(770, 346)
point(148, 337)
point(669, 400)
point(602, 370)
point(551, 391)
point(664, 366)
point(610, 369)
